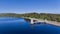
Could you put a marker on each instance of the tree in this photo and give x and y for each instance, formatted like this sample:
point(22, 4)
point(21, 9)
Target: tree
point(58, 19)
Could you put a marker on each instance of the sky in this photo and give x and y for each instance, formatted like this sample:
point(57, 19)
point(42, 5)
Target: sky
point(29, 6)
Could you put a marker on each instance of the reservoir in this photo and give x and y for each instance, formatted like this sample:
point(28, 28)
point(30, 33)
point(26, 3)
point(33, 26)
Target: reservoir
point(13, 25)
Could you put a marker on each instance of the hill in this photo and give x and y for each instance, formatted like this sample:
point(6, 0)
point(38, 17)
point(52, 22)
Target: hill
point(51, 17)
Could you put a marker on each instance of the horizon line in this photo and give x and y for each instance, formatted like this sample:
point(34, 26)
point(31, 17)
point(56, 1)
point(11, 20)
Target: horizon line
point(30, 12)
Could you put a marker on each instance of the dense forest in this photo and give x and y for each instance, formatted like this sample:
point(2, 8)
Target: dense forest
point(50, 17)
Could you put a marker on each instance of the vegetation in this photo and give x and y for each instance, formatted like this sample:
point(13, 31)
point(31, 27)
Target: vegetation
point(58, 19)
point(51, 17)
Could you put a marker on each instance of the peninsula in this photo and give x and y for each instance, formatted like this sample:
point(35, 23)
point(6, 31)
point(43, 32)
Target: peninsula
point(50, 18)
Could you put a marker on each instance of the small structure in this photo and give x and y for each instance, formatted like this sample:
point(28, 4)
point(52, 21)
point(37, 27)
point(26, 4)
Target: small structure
point(34, 20)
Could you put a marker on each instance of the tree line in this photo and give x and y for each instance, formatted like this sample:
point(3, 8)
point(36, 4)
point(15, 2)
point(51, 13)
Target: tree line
point(50, 17)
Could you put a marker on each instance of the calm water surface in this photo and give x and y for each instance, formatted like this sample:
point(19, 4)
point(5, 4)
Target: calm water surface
point(9, 25)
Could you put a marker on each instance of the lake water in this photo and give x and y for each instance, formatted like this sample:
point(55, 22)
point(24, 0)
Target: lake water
point(9, 25)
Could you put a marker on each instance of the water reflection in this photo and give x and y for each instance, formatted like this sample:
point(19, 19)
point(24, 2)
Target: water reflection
point(20, 26)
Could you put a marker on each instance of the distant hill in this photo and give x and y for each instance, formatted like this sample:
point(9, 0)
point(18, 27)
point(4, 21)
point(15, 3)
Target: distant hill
point(48, 16)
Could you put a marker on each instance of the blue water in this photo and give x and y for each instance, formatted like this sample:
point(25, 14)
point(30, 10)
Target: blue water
point(10, 25)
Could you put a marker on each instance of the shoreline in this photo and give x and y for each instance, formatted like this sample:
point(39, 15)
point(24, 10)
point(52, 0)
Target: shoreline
point(53, 23)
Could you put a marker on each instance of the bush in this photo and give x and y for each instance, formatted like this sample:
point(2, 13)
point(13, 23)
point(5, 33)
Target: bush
point(58, 19)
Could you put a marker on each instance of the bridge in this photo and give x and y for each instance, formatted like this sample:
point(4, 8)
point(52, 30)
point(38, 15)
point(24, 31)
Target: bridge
point(34, 20)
